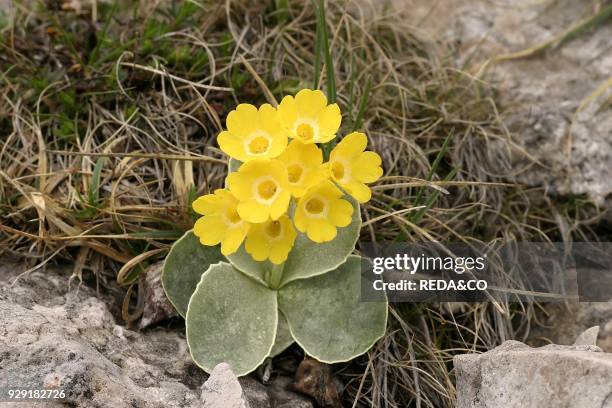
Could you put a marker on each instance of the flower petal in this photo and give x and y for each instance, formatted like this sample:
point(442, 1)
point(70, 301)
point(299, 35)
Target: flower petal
point(232, 240)
point(366, 167)
point(208, 204)
point(252, 211)
point(329, 122)
point(341, 212)
point(238, 185)
point(280, 252)
point(231, 146)
point(280, 205)
point(242, 120)
point(310, 103)
point(359, 191)
point(350, 146)
point(299, 218)
point(321, 230)
point(256, 245)
point(287, 111)
point(210, 229)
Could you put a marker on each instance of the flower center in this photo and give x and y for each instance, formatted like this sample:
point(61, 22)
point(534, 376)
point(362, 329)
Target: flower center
point(337, 170)
point(295, 173)
point(232, 216)
point(267, 189)
point(273, 229)
point(305, 132)
point(315, 206)
point(259, 145)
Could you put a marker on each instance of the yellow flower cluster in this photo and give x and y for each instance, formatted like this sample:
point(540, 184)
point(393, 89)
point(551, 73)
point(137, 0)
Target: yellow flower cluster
point(255, 205)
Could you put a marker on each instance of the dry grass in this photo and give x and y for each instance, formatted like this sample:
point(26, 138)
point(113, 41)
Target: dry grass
point(108, 134)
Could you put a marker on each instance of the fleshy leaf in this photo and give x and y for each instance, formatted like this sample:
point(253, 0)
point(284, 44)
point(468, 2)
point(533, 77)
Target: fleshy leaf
point(231, 319)
point(242, 261)
point(187, 260)
point(327, 317)
point(283, 336)
point(308, 258)
point(233, 165)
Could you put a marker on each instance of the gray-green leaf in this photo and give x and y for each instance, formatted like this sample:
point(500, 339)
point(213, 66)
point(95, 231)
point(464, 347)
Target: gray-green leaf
point(231, 319)
point(187, 260)
point(328, 319)
point(233, 165)
point(283, 336)
point(242, 261)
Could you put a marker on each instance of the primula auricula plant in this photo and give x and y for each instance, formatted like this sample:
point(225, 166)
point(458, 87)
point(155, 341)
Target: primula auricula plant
point(269, 261)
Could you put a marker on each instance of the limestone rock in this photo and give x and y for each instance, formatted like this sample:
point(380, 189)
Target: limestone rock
point(563, 324)
point(281, 393)
point(588, 337)
point(54, 337)
point(515, 375)
point(222, 389)
point(57, 336)
point(551, 99)
point(157, 307)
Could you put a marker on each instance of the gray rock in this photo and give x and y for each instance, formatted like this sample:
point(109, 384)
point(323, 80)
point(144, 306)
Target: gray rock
point(588, 337)
point(54, 336)
point(283, 397)
point(222, 389)
point(157, 307)
point(257, 394)
point(515, 375)
point(547, 97)
point(563, 323)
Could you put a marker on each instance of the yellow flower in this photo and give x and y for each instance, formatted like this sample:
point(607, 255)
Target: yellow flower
point(304, 168)
point(271, 240)
point(351, 167)
point(308, 118)
point(262, 188)
point(321, 210)
point(253, 133)
point(220, 222)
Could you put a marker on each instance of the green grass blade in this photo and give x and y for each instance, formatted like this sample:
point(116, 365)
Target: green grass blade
point(102, 35)
point(329, 64)
point(94, 188)
point(168, 234)
point(322, 47)
point(318, 46)
point(362, 105)
point(416, 217)
point(281, 11)
point(434, 166)
point(351, 87)
point(419, 215)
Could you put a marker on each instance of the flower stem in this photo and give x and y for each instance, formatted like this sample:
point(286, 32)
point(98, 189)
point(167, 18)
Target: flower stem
point(276, 275)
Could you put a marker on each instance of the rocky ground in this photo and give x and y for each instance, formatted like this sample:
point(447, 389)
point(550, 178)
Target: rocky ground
point(54, 335)
point(559, 99)
point(514, 375)
point(558, 102)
